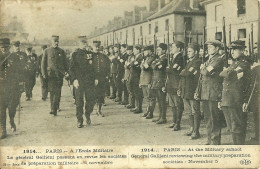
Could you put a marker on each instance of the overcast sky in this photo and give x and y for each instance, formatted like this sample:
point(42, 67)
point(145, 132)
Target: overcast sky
point(67, 18)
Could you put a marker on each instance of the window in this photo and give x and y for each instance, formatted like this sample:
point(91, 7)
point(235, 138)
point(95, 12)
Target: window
point(141, 31)
point(150, 29)
point(241, 7)
point(218, 36)
point(166, 24)
point(218, 13)
point(156, 27)
point(241, 33)
point(188, 23)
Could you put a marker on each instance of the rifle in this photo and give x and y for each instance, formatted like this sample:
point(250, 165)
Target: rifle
point(252, 42)
point(173, 36)
point(251, 94)
point(126, 38)
point(249, 46)
point(184, 48)
point(154, 42)
point(168, 45)
point(133, 38)
point(190, 37)
point(197, 37)
point(225, 41)
point(198, 90)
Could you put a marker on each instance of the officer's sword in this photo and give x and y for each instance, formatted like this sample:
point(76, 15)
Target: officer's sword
point(250, 97)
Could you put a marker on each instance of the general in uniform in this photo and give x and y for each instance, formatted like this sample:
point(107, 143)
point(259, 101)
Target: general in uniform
point(11, 71)
point(210, 92)
point(82, 75)
point(235, 88)
point(54, 66)
point(173, 70)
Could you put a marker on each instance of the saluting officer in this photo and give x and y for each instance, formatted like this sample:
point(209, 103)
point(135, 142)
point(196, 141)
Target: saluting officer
point(176, 65)
point(189, 79)
point(135, 72)
point(101, 68)
point(30, 73)
point(158, 83)
point(44, 82)
point(54, 67)
point(146, 77)
point(235, 88)
point(127, 76)
point(210, 91)
point(83, 77)
point(11, 71)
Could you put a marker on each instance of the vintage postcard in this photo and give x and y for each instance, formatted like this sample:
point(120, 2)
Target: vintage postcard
point(129, 83)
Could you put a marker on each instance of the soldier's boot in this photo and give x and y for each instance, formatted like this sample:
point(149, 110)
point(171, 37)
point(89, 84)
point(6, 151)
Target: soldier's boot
point(240, 139)
point(177, 127)
point(146, 113)
point(163, 119)
point(191, 120)
point(196, 133)
point(234, 138)
point(150, 112)
point(155, 120)
point(174, 117)
point(13, 126)
point(88, 118)
point(132, 103)
point(140, 106)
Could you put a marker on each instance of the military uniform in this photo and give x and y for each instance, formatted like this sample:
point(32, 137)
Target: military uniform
point(101, 67)
point(146, 79)
point(176, 65)
point(235, 88)
point(113, 72)
point(210, 93)
point(11, 71)
point(134, 79)
point(127, 76)
point(30, 75)
point(120, 79)
point(158, 82)
point(82, 69)
point(44, 82)
point(53, 66)
point(189, 77)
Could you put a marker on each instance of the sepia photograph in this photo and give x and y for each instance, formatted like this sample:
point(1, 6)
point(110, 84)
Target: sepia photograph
point(136, 77)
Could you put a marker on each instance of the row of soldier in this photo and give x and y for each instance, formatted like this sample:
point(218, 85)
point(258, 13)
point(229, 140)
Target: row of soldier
point(202, 87)
point(196, 88)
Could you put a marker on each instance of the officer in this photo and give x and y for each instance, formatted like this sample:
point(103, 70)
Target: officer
point(189, 79)
point(146, 77)
point(210, 91)
point(121, 68)
point(54, 67)
point(30, 73)
point(158, 83)
point(101, 68)
point(176, 64)
point(127, 76)
point(83, 77)
point(11, 71)
point(24, 61)
point(44, 82)
point(113, 71)
point(235, 88)
point(134, 79)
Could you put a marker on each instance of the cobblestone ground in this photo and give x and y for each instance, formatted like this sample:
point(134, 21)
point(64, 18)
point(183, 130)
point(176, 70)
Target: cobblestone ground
point(119, 126)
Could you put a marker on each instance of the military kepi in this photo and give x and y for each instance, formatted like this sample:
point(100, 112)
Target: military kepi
point(16, 43)
point(55, 37)
point(4, 42)
point(97, 43)
point(238, 44)
point(163, 46)
point(216, 43)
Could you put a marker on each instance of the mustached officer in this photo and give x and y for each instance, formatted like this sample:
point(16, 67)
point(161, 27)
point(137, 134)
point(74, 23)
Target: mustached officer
point(83, 77)
point(54, 67)
point(11, 74)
